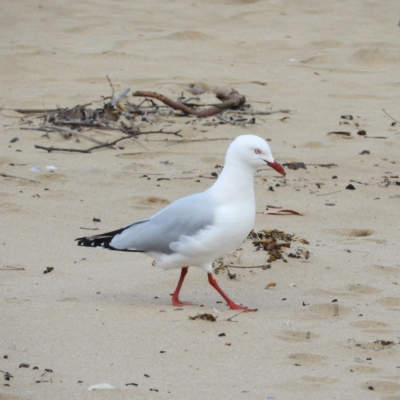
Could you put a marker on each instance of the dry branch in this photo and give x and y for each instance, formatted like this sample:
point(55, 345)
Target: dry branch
point(230, 100)
point(107, 144)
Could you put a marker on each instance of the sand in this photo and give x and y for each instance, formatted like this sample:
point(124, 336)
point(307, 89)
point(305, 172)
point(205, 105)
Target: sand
point(106, 317)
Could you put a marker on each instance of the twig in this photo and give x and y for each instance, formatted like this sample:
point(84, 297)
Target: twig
point(259, 112)
point(326, 194)
point(70, 131)
point(361, 183)
point(224, 118)
point(52, 128)
point(233, 316)
point(344, 133)
point(395, 120)
point(89, 150)
point(111, 144)
point(112, 87)
point(83, 123)
point(255, 266)
point(207, 177)
point(33, 110)
point(324, 165)
point(51, 148)
point(10, 268)
point(194, 140)
point(18, 177)
point(141, 173)
point(120, 96)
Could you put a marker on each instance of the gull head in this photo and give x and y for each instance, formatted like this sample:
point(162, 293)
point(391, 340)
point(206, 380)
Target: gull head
point(253, 151)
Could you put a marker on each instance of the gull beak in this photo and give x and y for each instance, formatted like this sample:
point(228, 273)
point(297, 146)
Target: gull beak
point(277, 167)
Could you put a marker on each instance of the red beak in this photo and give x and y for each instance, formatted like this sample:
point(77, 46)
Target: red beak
point(277, 167)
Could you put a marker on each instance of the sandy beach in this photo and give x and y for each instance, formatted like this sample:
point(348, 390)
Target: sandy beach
point(329, 328)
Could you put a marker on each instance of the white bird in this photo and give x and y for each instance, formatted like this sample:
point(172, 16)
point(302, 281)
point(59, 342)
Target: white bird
point(197, 229)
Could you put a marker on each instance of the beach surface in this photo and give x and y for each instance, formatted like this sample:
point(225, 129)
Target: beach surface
point(327, 326)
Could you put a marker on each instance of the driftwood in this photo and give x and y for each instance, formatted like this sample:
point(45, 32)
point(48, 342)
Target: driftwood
point(230, 100)
point(116, 113)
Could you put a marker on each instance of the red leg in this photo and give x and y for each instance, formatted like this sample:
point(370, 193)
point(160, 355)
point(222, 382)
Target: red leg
point(175, 296)
point(232, 305)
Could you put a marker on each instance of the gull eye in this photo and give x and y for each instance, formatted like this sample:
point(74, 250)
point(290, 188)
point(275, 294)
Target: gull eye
point(257, 151)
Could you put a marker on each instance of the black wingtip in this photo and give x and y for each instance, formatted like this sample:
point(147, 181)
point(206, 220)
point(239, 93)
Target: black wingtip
point(85, 242)
point(103, 242)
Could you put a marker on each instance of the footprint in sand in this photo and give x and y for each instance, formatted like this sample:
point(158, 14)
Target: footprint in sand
point(188, 35)
point(395, 271)
point(328, 310)
point(365, 369)
point(372, 326)
point(319, 380)
point(375, 57)
point(387, 387)
point(390, 302)
point(7, 207)
point(363, 289)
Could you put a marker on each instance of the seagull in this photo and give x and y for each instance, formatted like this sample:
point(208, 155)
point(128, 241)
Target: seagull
point(197, 229)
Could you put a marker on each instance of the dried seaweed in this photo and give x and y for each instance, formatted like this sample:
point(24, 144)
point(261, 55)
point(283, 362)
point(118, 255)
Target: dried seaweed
point(205, 316)
point(275, 242)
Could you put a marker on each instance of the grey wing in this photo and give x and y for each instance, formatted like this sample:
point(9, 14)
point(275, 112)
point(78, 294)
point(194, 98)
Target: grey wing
point(186, 216)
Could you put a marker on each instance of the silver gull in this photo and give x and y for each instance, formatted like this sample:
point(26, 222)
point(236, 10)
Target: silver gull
point(197, 229)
